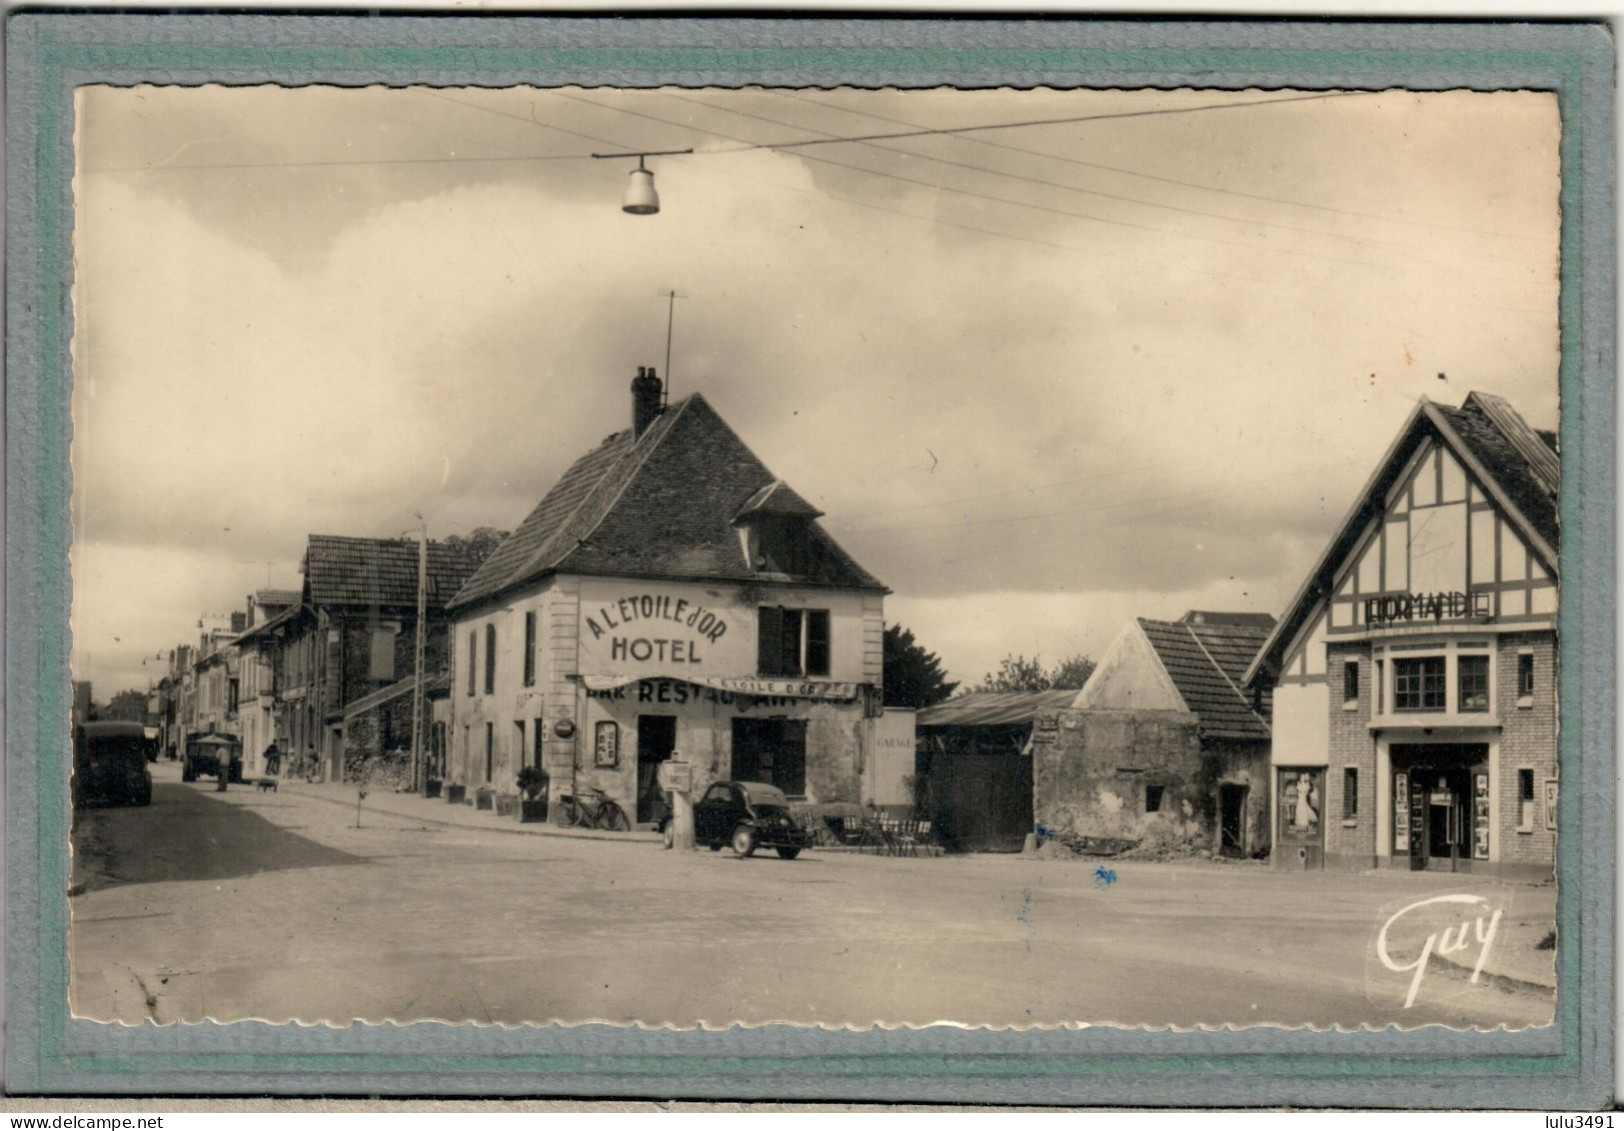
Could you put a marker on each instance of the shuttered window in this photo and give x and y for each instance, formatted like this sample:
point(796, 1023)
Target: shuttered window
point(490, 659)
point(792, 642)
point(769, 641)
point(473, 652)
point(817, 642)
point(530, 648)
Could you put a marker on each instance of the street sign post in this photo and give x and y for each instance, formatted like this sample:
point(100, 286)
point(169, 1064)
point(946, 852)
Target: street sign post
point(677, 777)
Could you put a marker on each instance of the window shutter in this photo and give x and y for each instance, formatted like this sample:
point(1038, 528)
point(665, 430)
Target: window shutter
point(791, 663)
point(817, 642)
point(490, 659)
point(473, 655)
point(530, 648)
point(769, 640)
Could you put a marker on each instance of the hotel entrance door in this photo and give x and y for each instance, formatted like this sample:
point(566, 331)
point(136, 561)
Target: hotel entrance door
point(1437, 820)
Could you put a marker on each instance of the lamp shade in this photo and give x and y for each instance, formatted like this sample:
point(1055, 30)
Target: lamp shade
point(641, 199)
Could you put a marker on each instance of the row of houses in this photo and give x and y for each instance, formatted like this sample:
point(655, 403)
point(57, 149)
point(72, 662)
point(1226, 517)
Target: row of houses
point(1402, 712)
point(327, 671)
point(670, 597)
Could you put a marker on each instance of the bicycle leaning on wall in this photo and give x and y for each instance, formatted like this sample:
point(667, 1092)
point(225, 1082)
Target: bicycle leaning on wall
point(590, 809)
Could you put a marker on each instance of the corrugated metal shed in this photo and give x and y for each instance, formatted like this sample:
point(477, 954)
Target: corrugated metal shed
point(994, 708)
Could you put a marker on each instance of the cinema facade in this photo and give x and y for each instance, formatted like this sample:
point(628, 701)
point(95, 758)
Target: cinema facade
point(1414, 675)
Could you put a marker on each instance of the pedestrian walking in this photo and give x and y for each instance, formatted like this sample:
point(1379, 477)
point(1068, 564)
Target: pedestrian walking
point(273, 760)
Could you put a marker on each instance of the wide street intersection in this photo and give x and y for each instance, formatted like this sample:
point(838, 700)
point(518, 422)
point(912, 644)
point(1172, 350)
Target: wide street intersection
point(250, 904)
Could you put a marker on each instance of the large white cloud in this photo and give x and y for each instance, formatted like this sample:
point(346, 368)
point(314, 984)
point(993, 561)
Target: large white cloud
point(264, 353)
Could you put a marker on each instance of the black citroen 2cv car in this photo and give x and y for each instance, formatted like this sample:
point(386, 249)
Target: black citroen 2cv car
point(747, 815)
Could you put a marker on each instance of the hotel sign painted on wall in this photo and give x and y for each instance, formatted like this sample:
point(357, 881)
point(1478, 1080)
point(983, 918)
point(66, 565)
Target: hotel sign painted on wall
point(652, 630)
point(1427, 606)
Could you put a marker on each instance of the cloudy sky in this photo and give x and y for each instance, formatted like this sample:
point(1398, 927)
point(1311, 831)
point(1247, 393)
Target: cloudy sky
point(1041, 378)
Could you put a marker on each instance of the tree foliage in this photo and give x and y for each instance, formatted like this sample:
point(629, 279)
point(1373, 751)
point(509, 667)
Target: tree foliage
point(1017, 673)
point(127, 705)
point(478, 544)
point(1072, 672)
point(913, 676)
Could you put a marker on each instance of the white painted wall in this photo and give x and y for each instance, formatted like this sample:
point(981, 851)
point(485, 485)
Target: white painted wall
point(1302, 725)
point(892, 762)
point(1130, 677)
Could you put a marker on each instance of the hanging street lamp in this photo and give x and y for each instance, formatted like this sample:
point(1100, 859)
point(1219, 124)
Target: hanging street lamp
point(641, 199)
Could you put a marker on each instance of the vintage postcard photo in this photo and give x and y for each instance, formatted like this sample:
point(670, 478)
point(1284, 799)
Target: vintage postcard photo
point(846, 558)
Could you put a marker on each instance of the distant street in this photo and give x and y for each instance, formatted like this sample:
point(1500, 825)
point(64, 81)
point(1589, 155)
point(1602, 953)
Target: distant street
point(275, 906)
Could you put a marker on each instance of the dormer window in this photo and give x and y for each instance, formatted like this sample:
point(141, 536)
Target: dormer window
point(775, 530)
point(783, 541)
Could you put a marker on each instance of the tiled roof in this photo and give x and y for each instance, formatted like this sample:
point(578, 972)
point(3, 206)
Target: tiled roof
point(276, 597)
point(435, 683)
point(994, 708)
point(271, 625)
point(380, 571)
point(778, 497)
point(1522, 463)
point(658, 505)
point(1484, 431)
point(1207, 663)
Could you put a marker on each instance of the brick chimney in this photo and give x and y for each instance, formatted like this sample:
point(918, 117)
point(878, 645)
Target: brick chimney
point(646, 392)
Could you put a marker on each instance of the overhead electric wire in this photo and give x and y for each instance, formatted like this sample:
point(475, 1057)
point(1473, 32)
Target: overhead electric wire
point(984, 170)
point(856, 203)
point(798, 97)
point(922, 131)
point(1023, 204)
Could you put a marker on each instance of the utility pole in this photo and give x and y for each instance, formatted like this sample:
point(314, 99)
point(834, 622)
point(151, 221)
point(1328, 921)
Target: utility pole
point(419, 763)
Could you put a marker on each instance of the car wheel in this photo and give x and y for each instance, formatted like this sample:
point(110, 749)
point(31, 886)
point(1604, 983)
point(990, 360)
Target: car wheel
point(789, 853)
point(188, 774)
point(744, 841)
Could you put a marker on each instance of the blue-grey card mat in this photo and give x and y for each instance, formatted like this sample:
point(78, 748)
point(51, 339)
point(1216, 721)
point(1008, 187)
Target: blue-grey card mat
point(1567, 1065)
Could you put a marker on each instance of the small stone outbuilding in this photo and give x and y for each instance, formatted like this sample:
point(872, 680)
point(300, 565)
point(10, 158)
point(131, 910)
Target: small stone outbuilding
point(1163, 748)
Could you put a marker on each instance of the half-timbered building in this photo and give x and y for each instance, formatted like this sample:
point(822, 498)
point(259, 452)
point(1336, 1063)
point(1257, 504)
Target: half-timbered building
point(1414, 673)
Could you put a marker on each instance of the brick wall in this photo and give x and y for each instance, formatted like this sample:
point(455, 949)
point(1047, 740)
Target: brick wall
point(1527, 742)
point(1350, 841)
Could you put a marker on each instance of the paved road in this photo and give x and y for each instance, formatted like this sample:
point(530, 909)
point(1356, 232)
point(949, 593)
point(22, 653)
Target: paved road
point(277, 906)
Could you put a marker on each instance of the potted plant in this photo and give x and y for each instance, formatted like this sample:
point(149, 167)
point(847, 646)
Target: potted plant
point(483, 797)
point(456, 793)
point(533, 784)
point(431, 789)
point(507, 804)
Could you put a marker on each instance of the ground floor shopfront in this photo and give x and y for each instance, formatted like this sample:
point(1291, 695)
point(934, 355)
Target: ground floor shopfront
point(1444, 792)
point(814, 740)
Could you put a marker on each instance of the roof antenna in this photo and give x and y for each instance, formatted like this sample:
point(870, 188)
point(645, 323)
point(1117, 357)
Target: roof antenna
point(671, 296)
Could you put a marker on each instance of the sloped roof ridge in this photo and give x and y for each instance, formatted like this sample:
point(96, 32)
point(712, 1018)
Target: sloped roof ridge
point(1211, 659)
point(1439, 416)
point(591, 508)
point(498, 571)
point(667, 420)
point(1541, 458)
